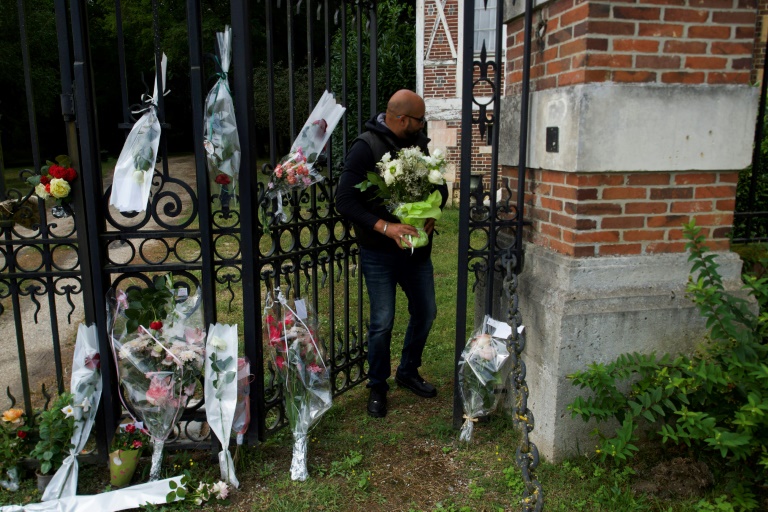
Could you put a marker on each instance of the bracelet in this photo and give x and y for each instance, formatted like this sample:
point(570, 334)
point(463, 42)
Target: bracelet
point(384, 231)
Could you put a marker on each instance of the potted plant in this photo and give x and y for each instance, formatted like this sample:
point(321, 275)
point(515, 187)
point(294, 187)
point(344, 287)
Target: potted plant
point(127, 445)
point(55, 428)
point(14, 441)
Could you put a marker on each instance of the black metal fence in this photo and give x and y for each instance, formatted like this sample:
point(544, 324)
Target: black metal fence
point(56, 272)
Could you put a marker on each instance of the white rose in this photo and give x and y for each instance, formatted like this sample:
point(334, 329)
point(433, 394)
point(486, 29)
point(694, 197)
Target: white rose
point(138, 176)
point(389, 178)
point(437, 154)
point(41, 192)
point(386, 158)
point(435, 177)
point(218, 343)
point(399, 171)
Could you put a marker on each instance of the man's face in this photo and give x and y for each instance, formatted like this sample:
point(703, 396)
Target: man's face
point(415, 124)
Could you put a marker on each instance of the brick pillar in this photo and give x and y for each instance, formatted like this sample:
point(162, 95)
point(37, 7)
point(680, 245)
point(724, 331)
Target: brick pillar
point(654, 117)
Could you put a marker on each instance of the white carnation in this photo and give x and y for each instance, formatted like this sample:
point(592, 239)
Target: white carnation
point(389, 178)
point(138, 176)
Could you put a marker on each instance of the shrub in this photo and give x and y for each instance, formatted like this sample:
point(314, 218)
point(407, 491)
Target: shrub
point(55, 428)
point(715, 401)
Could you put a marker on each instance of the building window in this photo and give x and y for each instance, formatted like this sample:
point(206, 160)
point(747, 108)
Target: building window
point(485, 26)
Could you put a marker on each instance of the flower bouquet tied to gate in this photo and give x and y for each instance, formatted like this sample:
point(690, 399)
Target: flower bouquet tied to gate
point(407, 186)
point(132, 178)
point(55, 181)
point(300, 367)
point(221, 140)
point(297, 169)
point(159, 346)
point(482, 369)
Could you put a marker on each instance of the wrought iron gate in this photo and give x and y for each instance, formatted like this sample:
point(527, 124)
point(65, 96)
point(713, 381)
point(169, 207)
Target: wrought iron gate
point(231, 253)
point(491, 227)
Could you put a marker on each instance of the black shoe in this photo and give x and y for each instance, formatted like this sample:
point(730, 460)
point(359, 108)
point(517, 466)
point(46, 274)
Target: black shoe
point(416, 385)
point(377, 403)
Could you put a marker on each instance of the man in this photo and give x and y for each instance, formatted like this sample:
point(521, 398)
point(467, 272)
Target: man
point(385, 255)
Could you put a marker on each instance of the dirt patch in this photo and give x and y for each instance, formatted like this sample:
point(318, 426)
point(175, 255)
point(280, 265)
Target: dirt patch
point(680, 477)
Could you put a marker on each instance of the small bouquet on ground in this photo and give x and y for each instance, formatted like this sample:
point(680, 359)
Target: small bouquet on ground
point(159, 346)
point(300, 367)
point(186, 490)
point(127, 445)
point(85, 385)
point(242, 418)
point(132, 179)
point(55, 181)
point(221, 391)
point(221, 141)
point(482, 368)
point(297, 170)
point(407, 185)
point(14, 446)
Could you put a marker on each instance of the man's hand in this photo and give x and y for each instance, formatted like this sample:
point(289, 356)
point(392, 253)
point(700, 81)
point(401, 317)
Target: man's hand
point(429, 226)
point(397, 232)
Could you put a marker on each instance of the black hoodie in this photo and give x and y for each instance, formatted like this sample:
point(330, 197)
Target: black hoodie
point(363, 208)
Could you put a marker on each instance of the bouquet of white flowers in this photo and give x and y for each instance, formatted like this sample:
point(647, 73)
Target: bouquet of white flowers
point(482, 368)
point(407, 184)
point(132, 179)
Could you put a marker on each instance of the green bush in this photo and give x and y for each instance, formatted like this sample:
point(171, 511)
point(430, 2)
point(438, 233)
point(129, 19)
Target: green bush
point(55, 428)
point(715, 401)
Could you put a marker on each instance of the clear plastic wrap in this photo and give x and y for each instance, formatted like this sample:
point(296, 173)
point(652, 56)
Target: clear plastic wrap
point(300, 366)
point(159, 364)
point(483, 367)
point(297, 169)
point(221, 140)
point(135, 167)
point(242, 418)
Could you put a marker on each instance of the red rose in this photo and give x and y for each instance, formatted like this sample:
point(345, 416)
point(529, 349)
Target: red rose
point(48, 187)
point(223, 179)
point(137, 443)
point(131, 428)
point(45, 180)
point(21, 434)
point(156, 325)
point(69, 174)
point(93, 362)
point(56, 171)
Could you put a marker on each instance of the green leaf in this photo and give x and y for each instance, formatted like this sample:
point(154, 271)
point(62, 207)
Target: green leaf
point(170, 497)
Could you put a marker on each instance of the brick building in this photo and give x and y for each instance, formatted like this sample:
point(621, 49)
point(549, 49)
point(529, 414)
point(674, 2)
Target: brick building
point(652, 105)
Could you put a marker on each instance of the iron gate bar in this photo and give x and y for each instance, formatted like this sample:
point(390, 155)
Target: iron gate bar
point(291, 81)
point(757, 149)
point(359, 30)
point(91, 182)
point(373, 34)
point(197, 81)
point(344, 93)
point(310, 58)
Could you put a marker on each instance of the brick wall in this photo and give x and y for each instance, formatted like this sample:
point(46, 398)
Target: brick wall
point(599, 214)
point(641, 41)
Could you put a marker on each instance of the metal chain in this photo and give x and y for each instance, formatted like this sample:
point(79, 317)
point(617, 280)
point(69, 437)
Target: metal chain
point(527, 455)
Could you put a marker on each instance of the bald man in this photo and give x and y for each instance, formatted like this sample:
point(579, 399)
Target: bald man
point(385, 256)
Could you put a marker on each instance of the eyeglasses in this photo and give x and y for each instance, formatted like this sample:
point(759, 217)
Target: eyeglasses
point(420, 120)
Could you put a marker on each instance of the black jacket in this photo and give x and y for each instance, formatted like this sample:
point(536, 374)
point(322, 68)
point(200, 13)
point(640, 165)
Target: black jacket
point(363, 208)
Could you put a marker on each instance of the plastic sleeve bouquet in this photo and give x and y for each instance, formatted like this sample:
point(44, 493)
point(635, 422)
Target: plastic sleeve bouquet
point(298, 361)
point(221, 140)
point(55, 181)
point(85, 385)
point(158, 344)
point(132, 178)
point(296, 170)
point(482, 368)
point(221, 391)
point(242, 418)
point(407, 185)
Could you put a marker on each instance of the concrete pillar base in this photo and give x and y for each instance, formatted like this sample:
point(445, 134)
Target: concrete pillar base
point(583, 310)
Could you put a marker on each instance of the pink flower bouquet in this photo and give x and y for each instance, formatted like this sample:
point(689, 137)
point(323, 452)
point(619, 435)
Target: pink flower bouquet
point(298, 361)
point(159, 363)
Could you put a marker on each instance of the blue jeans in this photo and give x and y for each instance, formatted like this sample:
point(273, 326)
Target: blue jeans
point(382, 273)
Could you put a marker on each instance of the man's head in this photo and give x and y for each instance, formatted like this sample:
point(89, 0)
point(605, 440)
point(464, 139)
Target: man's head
point(405, 114)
